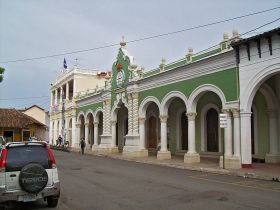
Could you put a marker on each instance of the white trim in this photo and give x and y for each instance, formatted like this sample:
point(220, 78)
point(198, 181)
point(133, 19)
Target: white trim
point(81, 113)
point(199, 91)
point(168, 98)
point(254, 84)
point(145, 103)
point(256, 137)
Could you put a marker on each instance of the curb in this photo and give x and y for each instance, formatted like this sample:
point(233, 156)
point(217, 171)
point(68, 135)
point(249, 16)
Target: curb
point(187, 167)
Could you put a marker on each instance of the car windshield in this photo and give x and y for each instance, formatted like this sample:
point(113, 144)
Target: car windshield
point(20, 156)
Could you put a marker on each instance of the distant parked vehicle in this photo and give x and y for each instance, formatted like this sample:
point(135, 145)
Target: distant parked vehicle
point(2, 140)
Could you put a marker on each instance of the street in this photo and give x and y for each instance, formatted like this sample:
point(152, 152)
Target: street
point(95, 182)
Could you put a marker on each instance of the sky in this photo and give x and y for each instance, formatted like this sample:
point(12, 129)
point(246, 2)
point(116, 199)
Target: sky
point(32, 28)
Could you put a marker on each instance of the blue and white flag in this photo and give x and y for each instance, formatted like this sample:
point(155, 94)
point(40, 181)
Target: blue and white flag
point(64, 64)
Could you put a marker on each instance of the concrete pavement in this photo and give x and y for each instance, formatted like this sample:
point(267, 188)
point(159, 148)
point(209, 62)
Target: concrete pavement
point(261, 171)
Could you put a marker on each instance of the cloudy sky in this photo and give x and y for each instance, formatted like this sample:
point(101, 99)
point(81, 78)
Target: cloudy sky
point(33, 28)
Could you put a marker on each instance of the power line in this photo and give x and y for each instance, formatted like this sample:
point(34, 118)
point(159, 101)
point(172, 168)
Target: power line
point(22, 98)
point(142, 39)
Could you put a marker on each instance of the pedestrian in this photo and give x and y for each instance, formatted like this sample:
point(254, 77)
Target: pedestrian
point(158, 144)
point(83, 145)
point(59, 140)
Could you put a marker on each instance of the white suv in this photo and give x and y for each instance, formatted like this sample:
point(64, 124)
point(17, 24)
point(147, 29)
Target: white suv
point(28, 172)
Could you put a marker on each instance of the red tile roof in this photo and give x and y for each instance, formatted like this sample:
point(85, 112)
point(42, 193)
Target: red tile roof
point(13, 118)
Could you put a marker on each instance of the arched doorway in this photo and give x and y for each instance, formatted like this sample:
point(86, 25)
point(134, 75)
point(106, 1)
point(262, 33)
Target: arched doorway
point(90, 130)
point(152, 126)
point(212, 130)
point(184, 131)
point(82, 128)
point(121, 126)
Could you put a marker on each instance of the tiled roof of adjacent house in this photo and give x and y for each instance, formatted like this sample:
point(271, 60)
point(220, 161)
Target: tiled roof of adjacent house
point(13, 118)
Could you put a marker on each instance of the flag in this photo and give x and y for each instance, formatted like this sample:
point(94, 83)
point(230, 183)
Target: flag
point(64, 64)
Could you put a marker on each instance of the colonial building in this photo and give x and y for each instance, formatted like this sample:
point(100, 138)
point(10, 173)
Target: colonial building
point(178, 104)
point(42, 116)
point(64, 91)
point(17, 126)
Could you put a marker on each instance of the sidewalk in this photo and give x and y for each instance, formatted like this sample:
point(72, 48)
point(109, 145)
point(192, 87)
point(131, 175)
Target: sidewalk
point(262, 171)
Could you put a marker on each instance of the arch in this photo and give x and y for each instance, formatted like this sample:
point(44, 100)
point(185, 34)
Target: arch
point(114, 112)
point(145, 103)
point(97, 114)
point(270, 97)
point(199, 91)
point(81, 114)
point(88, 114)
point(255, 84)
point(204, 111)
point(168, 99)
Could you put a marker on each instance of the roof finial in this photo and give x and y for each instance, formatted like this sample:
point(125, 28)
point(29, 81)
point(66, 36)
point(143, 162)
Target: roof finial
point(225, 36)
point(122, 43)
point(235, 33)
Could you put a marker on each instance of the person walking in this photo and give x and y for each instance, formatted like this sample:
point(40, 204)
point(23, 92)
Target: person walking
point(83, 145)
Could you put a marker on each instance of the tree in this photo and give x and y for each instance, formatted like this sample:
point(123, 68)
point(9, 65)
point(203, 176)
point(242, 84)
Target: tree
point(1, 73)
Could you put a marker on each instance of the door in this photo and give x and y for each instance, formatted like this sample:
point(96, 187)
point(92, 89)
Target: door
point(184, 131)
point(152, 132)
point(25, 135)
point(212, 131)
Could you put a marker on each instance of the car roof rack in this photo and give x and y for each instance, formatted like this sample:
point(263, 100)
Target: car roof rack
point(23, 143)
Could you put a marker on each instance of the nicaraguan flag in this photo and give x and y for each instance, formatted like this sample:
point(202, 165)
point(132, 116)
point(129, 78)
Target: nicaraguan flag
point(64, 64)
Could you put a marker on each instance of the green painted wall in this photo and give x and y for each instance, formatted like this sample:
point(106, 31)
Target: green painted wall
point(262, 125)
point(93, 107)
point(226, 80)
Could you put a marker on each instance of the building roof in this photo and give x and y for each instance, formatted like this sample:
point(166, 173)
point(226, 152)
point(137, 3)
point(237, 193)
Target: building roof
point(256, 37)
point(32, 107)
point(13, 118)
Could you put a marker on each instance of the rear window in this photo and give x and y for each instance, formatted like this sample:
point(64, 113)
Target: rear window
point(20, 156)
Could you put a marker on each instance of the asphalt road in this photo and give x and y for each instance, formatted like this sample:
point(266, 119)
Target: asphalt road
point(95, 182)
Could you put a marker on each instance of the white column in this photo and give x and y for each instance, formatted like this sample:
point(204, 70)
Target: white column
point(273, 138)
point(61, 93)
point(191, 132)
point(246, 150)
point(51, 98)
point(86, 135)
point(78, 138)
point(114, 133)
point(59, 126)
point(228, 135)
point(236, 134)
point(74, 139)
point(55, 97)
point(51, 132)
point(163, 132)
point(135, 113)
point(96, 133)
point(142, 132)
point(130, 114)
point(67, 91)
point(66, 129)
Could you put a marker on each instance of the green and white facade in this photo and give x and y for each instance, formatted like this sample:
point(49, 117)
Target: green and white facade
point(179, 104)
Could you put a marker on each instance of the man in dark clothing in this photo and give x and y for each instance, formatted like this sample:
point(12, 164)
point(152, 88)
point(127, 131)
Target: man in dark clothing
point(83, 145)
point(59, 140)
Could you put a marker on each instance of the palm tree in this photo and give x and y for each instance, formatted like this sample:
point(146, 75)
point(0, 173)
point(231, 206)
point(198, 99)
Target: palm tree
point(1, 73)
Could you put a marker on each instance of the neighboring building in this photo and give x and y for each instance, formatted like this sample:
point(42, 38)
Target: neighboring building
point(64, 91)
point(17, 126)
point(40, 115)
point(179, 104)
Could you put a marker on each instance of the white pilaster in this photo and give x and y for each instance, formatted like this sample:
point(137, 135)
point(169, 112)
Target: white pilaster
point(51, 133)
point(246, 150)
point(142, 132)
point(228, 135)
point(55, 97)
point(236, 134)
point(78, 138)
point(114, 133)
point(191, 156)
point(95, 136)
point(74, 137)
point(163, 154)
point(273, 156)
point(135, 113)
point(61, 93)
point(86, 135)
point(130, 115)
point(67, 91)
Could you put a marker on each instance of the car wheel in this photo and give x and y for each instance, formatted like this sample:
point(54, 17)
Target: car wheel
point(52, 201)
point(33, 178)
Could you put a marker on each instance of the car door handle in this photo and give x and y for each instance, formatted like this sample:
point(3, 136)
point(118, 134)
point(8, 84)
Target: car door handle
point(13, 175)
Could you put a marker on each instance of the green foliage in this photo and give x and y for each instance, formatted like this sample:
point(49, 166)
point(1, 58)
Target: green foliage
point(2, 70)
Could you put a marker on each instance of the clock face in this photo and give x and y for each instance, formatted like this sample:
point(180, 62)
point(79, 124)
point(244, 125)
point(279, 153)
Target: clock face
point(120, 78)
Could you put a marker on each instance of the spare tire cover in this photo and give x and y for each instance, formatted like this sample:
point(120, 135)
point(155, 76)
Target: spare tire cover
point(33, 178)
